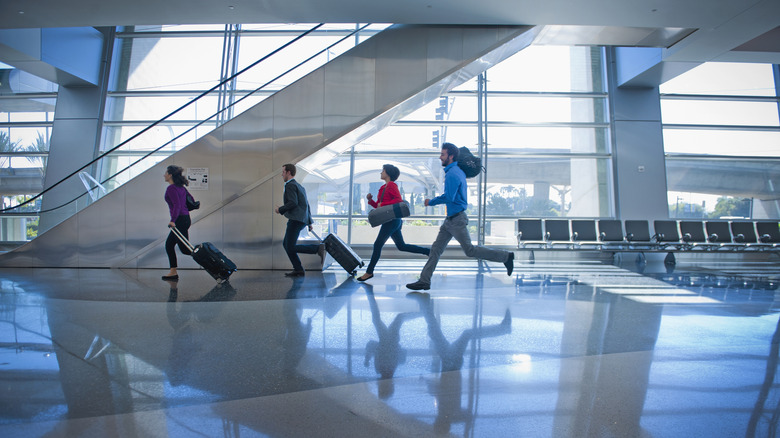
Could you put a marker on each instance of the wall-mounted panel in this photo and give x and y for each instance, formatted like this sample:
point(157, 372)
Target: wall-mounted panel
point(640, 173)
point(59, 250)
point(206, 152)
point(247, 148)
point(401, 66)
point(248, 228)
point(146, 213)
point(445, 48)
point(111, 222)
point(348, 93)
point(298, 118)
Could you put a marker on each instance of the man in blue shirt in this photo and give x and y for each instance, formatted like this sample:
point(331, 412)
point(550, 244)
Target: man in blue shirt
point(455, 197)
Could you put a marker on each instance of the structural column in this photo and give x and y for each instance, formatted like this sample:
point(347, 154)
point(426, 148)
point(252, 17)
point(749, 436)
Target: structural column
point(75, 140)
point(638, 156)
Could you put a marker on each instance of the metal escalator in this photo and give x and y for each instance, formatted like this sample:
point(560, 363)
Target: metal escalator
point(322, 114)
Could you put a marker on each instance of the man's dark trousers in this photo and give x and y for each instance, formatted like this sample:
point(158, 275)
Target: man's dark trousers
point(292, 248)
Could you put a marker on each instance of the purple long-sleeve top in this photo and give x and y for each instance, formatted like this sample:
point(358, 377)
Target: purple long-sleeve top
point(176, 197)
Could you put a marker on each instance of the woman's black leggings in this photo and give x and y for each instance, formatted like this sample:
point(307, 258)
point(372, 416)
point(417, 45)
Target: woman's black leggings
point(182, 224)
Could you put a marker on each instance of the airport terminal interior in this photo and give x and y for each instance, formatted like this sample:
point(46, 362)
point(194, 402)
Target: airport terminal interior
point(630, 160)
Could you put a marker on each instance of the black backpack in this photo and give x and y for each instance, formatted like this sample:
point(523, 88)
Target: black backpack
point(468, 163)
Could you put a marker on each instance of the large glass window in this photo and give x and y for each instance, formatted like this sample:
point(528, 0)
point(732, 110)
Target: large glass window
point(26, 117)
point(543, 118)
point(721, 129)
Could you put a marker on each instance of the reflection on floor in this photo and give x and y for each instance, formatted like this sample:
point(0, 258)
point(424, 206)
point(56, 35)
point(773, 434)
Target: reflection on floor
point(559, 349)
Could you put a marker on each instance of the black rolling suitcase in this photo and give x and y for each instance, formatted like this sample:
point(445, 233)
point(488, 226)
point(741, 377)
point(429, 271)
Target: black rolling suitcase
point(342, 253)
point(209, 257)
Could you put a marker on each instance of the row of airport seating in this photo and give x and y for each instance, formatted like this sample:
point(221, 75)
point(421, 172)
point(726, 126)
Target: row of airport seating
point(635, 235)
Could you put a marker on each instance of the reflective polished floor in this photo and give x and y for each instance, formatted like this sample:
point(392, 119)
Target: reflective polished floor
point(559, 349)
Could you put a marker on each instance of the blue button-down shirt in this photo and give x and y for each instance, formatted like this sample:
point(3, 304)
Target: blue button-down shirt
point(455, 190)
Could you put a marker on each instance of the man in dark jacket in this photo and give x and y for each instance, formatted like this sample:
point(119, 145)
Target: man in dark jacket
point(296, 210)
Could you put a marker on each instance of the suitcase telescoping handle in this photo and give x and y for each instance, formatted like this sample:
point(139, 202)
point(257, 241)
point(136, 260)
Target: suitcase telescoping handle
point(316, 235)
point(181, 237)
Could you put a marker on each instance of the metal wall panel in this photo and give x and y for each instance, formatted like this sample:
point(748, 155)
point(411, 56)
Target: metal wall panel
point(209, 228)
point(109, 225)
point(78, 103)
point(247, 148)
point(445, 50)
point(207, 225)
point(298, 119)
point(248, 157)
point(154, 257)
point(207, 152)
point(349, 92)
point(21, 257)
point(401, 66)
point(60, 250)
point(66, 132)
point(640, 172)
point(146, 214)
point(475, 41)
point(248, 228)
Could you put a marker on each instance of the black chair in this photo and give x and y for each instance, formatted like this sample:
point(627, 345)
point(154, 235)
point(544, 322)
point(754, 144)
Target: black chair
point(611, 233)
point(719, 232)
point(769, 233)
point(693, 234)
point(638, 234)
point(744, 232)
point(666, 234)
point(583, 232)
point(529, 232)
point(556, 232)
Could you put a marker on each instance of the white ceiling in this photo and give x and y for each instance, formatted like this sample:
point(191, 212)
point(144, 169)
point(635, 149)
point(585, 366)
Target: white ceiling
point(752, 27)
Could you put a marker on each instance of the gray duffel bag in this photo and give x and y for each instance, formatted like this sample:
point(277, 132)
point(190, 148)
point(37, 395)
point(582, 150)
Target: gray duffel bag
point(386, 213)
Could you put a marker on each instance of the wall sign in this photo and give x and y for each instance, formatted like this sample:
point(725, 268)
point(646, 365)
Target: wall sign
point(198, 177)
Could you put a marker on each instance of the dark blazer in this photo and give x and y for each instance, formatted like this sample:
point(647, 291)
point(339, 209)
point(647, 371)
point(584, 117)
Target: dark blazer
point(296, 206)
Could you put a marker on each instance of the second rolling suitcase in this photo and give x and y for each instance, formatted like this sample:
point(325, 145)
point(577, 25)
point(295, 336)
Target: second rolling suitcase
point(342, 253)
point(209, 257)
